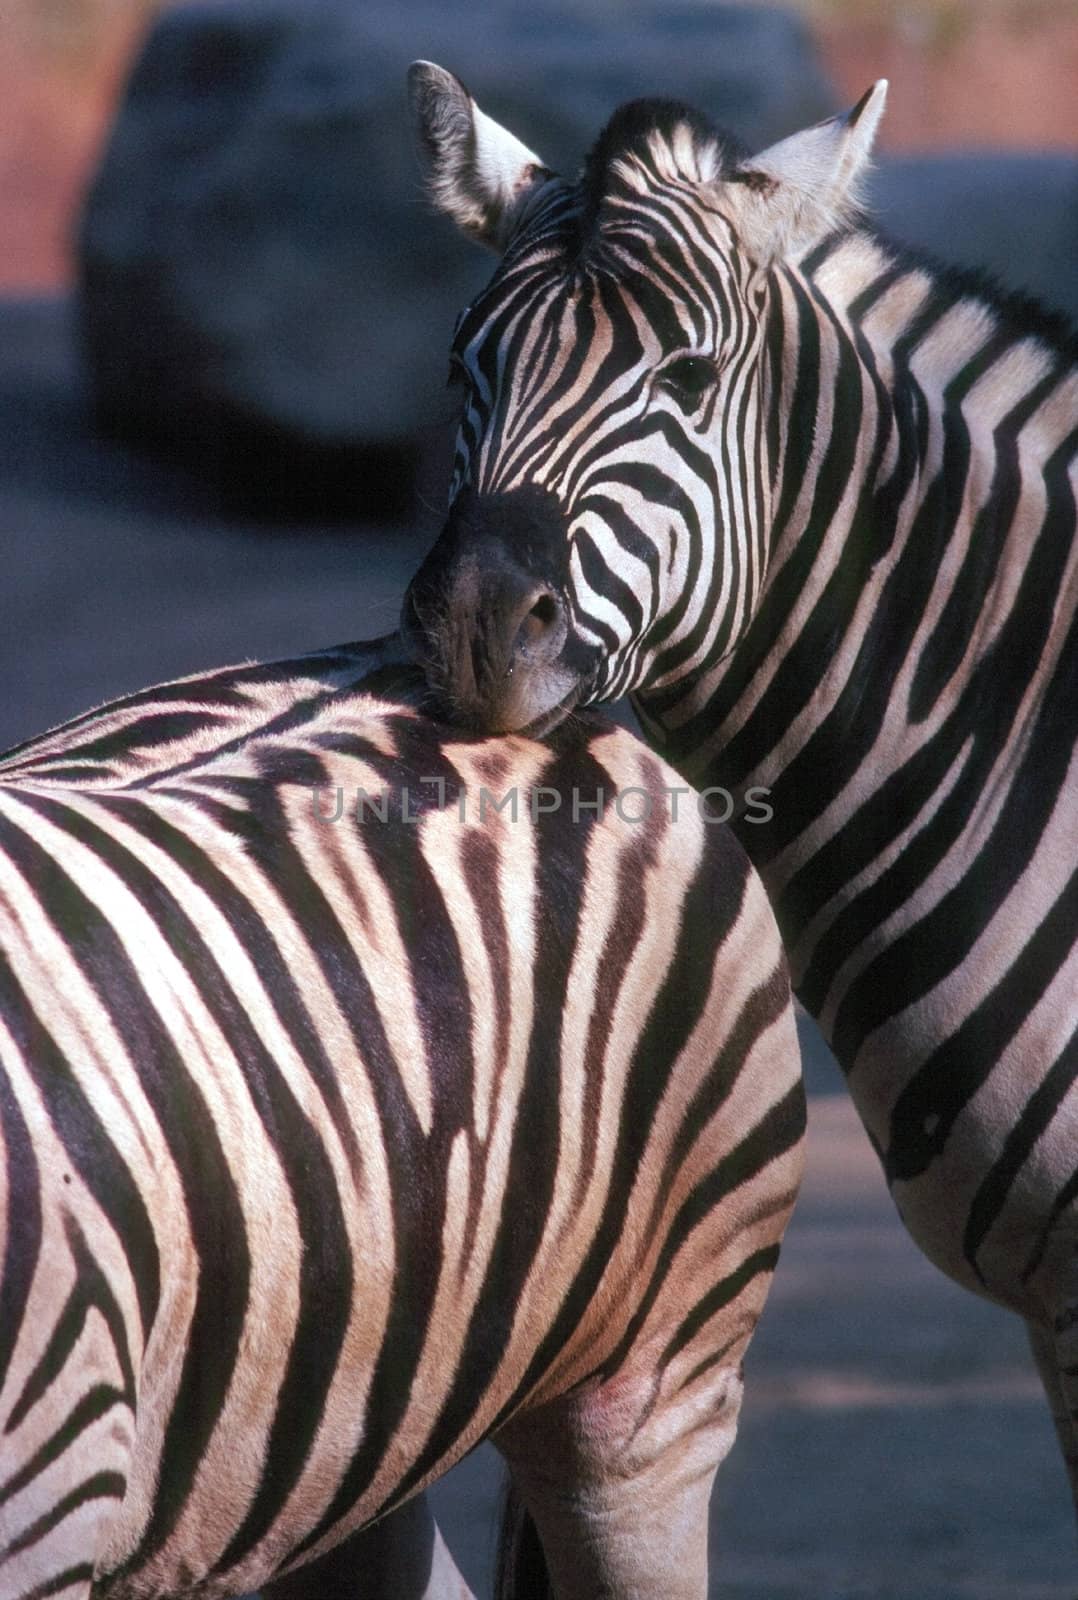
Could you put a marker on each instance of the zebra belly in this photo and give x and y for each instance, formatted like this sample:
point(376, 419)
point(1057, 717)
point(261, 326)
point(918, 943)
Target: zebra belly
point(984, 1213)
point(947, 983)
point(978, 1134)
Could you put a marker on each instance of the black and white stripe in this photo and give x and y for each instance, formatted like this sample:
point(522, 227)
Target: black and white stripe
point(833, 556)
point(332, 1145)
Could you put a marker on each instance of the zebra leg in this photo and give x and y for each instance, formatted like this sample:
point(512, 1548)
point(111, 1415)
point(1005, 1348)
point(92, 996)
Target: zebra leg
point(617, 1482)
point(1055, 1350)
point(401, 1557)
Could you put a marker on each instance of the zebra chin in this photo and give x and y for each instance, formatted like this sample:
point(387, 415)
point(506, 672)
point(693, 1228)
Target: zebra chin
point(546, 720)
point(531, 715)
point(527, 698)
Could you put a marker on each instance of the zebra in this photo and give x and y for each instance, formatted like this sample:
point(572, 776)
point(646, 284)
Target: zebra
point(368, 1089)
point(809, 498)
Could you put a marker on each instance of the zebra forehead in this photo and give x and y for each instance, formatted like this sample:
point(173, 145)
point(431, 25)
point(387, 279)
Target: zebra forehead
point(567, 295)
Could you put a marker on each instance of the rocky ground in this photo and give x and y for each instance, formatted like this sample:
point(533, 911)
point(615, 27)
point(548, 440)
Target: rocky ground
point(894, 1444)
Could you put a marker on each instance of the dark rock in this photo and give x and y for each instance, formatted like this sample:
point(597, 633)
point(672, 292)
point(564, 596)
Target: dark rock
point(260, 276)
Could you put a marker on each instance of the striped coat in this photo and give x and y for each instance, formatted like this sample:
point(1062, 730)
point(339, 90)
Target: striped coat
point(812, 500)
point(347, 1120)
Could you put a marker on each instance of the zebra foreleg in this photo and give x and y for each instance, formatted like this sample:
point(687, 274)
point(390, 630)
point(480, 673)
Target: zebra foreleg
point(401, 1557)
point(617, 1483)
point(1055, 1350)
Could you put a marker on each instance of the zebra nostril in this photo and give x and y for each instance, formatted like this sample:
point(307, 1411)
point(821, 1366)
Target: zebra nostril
point(542, 617)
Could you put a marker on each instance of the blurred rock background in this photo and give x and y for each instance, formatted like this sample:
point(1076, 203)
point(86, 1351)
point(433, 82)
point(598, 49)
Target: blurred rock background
point(966, 74)
point(224, 308)
point(260, 169)
point(260, 288)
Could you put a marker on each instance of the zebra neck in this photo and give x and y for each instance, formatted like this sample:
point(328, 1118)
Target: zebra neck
point(920, 600)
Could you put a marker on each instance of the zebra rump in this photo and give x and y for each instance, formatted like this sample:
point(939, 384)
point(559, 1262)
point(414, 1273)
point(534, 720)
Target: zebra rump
point(368, 1089)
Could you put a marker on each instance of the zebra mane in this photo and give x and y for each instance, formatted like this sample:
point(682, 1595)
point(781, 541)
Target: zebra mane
point(659, 137)
point(1023, 312)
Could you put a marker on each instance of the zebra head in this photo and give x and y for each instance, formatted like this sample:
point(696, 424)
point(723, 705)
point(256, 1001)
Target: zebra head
point(610, 506)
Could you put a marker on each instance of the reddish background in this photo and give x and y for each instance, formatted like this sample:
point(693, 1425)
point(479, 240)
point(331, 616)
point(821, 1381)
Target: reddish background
point(963, 73)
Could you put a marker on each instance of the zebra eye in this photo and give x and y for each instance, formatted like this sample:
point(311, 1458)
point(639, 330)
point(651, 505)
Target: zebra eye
point(688, 378)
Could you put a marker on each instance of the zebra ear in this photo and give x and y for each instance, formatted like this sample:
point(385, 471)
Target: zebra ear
point(477, 172)
point(791, 195)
